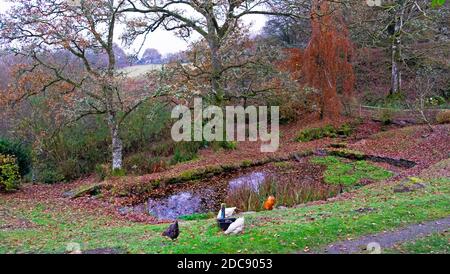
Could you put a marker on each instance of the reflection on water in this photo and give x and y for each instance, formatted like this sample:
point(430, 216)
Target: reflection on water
point(254, 180)
point(187, 203)
point(174, 206)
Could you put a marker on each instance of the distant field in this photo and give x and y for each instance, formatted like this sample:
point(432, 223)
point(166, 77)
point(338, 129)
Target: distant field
point(139, 70)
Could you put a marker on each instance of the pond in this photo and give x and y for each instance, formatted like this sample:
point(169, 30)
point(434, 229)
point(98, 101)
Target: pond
point(292, 183)
point(235, 189)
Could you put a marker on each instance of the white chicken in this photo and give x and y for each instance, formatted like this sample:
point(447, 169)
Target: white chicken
point(228, 212)
point(236, 227)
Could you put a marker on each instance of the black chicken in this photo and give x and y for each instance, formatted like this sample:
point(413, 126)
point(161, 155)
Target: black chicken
point(172, 231)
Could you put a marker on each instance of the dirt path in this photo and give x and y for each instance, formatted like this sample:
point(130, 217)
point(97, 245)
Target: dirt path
point(388, 239)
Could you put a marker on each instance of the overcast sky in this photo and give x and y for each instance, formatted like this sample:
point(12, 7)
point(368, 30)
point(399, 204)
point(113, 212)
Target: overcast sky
point(166, 42)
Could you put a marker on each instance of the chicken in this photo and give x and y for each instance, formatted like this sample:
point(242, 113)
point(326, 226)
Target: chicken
point(269, 203)
point(172, 231)
point(228, 212)
point(236, 227)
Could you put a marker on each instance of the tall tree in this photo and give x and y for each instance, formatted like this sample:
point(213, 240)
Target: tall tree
point(214, 21)
point(35, 28)
point(407, 29)
point(326, 63)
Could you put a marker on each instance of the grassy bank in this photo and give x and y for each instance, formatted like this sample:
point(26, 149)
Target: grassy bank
point(371, 209)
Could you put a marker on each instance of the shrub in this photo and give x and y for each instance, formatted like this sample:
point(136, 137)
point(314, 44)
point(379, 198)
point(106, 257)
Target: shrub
point(295, 104)
point(49, 175)
point(69, 169)
point(395, 100)
point(311, 134)
point(246, 163)
point(345, 129)
point(186, 151)
point(227, 145)
point(385, 115)
point(443, 117)
point(9, 173)
point(20, 152)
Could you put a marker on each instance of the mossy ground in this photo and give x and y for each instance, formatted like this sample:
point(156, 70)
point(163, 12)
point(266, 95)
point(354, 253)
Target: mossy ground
point(350, 173)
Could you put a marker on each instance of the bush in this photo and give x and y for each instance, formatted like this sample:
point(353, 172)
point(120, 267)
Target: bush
point(227, 145)
point(186, 151)
point(20, 152)
point(310, 134)
point(385, 116)
point(295, 104)
point(443, 117)
point(9, 173)
point(395, 100)
point(49, 175)
point(69, 169)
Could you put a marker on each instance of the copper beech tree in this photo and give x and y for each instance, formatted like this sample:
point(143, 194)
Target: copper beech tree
point(38, 29)
point(325, 63)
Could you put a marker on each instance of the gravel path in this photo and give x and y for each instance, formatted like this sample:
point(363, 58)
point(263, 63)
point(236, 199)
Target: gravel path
point(377, 242)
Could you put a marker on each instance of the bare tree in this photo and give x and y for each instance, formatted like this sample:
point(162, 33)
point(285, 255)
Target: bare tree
point(422, 96)
point(215, 21)
point(398, 25)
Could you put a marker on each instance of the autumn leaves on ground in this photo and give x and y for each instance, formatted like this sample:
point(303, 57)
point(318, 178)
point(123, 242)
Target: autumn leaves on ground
point(39, 218)
point(89, 161)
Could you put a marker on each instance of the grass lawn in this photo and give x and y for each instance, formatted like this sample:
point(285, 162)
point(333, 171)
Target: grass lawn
point(437, 243)
point(279, 231)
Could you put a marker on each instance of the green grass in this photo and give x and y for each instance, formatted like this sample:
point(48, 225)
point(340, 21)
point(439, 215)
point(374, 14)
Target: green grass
point(437, 243)
point(350, 173)
point(196, 216)
point(278, 231)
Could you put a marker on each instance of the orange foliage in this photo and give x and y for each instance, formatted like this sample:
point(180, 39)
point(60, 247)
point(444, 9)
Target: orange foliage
point(325, 63)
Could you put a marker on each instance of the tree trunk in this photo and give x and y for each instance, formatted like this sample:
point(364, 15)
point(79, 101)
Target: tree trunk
point(117, 146)
point(396, 77)
point(395, 72)
point(216, 65)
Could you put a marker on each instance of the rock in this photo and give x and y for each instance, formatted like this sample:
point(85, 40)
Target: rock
point(281, 207)
point(91, 190)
